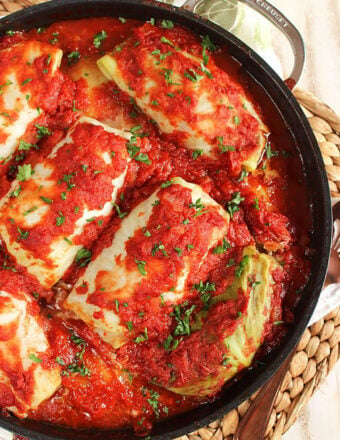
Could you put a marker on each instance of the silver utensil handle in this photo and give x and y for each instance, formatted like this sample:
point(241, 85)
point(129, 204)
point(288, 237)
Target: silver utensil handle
point(281, 22)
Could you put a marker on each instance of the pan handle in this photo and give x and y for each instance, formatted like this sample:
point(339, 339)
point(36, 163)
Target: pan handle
point(280, 21)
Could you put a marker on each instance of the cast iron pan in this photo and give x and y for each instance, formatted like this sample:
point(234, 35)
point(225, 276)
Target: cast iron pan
point(236, 392)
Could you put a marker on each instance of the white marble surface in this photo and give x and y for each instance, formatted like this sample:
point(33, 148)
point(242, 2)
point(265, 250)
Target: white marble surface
point(318, 22)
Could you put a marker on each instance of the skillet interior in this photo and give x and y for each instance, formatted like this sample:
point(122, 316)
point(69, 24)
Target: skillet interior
point(317, 187)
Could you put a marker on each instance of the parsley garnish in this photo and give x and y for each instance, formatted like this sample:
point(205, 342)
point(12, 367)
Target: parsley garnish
point(83, 257)
point(46, 200)
point(166, 184)
point(241, 266)
point(119, 212)
point(142, 338)
point(167, 24)
point(202, 287)
point(256, 203)
point(207, 44)
point(99, 38)
point(198, 205)
point(158, 247)
point(141, 266)
point(224, 148)
point(193, 76)
point(270, 153)
point(218, 250)
point(42, 131)
point(60, 220)
point(24, 172)
point(35, 359)
point(244, 174)
point(23, 234)
point(233, 204)
point(196, 153)
point(182, 317)
point(26, 146)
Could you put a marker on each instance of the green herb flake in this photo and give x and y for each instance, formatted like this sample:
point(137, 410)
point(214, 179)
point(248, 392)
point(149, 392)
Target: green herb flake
point(233, 204)
point(46, 200)
point(119, 213)
point(218, 250)
point(35, 359)
point(239, 270)
point(196, 153)
point(60, 219)
point(141, 266)
point(222, 147)
point(142, 338)
point(167, 24)
point(25, 172)
point(99, 38)
point(166, 184)
point(42, 131)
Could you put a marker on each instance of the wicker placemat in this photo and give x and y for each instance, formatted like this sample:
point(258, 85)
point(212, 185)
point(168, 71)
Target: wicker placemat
point(318, 350)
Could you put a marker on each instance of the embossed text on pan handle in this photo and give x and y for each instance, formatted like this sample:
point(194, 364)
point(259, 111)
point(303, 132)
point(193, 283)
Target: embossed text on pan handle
point(282, 23)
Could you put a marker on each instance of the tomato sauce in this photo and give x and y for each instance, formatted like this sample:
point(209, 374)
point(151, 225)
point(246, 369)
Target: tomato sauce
point(105, 397)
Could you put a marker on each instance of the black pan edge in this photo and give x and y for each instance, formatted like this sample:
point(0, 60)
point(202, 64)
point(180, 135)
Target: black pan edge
point(317, 185)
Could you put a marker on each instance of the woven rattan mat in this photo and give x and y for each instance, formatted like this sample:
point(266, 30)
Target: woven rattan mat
point(318, 349)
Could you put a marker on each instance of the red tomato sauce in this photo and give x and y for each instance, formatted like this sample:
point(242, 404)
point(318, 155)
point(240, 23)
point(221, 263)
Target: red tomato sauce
point(281, 214)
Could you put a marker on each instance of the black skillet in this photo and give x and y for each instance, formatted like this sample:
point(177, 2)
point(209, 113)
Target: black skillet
point(317, 186)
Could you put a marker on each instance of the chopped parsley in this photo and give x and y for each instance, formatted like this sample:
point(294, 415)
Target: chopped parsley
point(166, 41)
point(73, 57)
point(26, 146)
point(24, 172)
point(142, 338)
point(119, 212)
point(207, 44)
point(60, 220)
point(218, 250)
point(269, 152)
point(99, 38)
point(202, 287)
point(179, 251)
point(46, 200)
point(196, 153)
point(35, 359)
point(171, 343)
point(198, 205)
point(7, 83)
point(233, 204)
point(192, 75)
point(141, 266)
point(83, 257)
point(166, 184)
point(16, 192)
point(26, 81)
point(240, 268)
point(206, 71)
point(122, 19)
point(243, 174)
point(222, 147)
point(167, 24)
point(236, 120)
point(158, 247)
point(22, 234)
point(42, 131)
point(34, 208)
point(182, 317)
point(256, 204)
